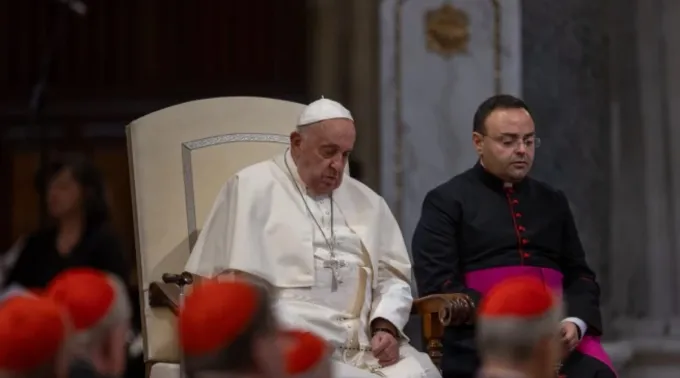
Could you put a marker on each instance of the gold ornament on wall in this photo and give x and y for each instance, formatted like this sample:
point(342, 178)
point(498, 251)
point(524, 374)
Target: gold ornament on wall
point(447, 30)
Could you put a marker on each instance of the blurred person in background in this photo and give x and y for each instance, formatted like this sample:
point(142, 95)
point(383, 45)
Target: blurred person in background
point(228, 329)
point(99, 311)
point(307, 355)
point(78, 233)
point(517, 333)
point(34, 334)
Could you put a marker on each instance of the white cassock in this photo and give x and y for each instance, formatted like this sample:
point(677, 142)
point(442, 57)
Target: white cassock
point(261, 226)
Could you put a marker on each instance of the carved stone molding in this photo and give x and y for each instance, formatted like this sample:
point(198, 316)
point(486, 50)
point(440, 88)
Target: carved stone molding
point(447, 30)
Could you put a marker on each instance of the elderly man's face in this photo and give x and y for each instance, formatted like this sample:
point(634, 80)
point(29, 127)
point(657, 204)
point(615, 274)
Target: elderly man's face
point(321, 152)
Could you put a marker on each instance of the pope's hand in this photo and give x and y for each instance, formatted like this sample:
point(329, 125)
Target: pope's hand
point(569, 335)
point(385, 348)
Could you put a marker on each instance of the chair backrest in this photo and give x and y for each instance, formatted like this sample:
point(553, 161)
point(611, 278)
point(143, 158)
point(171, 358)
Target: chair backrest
point(179, 158)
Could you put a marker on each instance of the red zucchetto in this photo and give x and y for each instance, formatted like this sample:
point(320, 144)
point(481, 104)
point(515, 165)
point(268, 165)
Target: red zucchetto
point(215, 314)
point(307, 352)
point(519, 297)
point(32, 333)
point(87, 294)
point(517, 315)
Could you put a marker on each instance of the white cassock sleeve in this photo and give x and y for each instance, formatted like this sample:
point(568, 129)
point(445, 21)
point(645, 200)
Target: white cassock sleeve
point(230, 238)
point(392, 298)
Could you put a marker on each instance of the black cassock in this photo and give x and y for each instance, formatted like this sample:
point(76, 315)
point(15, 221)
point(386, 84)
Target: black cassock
point(474, 231)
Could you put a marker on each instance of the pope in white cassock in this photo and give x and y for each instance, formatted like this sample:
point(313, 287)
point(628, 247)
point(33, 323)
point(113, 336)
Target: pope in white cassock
point(328, 245)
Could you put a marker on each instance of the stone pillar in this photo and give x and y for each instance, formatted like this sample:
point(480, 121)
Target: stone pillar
point(646, 212)
point(671, 33)
point(627, 257)
point(362, 78)
point(344, 40)
point(655, 139)
point(439, 60)
point(565, 83)
point(325, 40)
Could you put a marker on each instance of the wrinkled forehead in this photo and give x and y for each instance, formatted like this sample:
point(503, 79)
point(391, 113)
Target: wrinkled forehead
point(340, 132)
point(510, 122)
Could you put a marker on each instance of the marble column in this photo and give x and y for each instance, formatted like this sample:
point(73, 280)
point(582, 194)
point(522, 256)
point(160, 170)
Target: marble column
point(653, 106)
point(565, 83)
point(428, 98)
point(646, 211)
point(325, 41)
point(363, 86)
point(627, 257)
point(344, 67)
point(671, 34)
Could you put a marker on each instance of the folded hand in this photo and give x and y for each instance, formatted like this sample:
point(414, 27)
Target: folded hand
point(385, 348)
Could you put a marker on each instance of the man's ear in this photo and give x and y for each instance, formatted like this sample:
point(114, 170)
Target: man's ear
point(478, 142)
point(295, 139)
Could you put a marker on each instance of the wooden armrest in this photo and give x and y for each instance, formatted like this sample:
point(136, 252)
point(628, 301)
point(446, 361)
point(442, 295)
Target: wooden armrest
point(431, 308)
point(165, 294)
point(432, 304)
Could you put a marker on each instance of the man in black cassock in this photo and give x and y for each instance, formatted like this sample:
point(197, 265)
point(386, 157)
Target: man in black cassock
point(493, 222)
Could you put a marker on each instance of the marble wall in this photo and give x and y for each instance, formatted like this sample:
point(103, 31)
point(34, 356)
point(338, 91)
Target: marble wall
point(646, 212)
point(565, 82)
point(603, 82)
point(428, 100)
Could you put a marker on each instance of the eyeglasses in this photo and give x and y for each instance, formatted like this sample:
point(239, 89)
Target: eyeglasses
point(513, 142)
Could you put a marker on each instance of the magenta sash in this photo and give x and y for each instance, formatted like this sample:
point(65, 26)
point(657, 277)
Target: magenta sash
point(483, 280)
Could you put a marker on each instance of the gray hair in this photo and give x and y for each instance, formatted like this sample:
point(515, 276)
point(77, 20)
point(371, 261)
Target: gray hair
point(237, 357)
point(119, 313)
point(50, 368)
point(514, 339)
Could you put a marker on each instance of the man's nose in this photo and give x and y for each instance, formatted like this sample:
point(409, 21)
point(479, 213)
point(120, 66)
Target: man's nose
point(337, 163)
point(521, 148)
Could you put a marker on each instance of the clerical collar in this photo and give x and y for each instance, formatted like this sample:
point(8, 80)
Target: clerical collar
point(492, 181)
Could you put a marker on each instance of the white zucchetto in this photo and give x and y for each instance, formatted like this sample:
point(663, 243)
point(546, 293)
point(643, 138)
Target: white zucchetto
point(321, 110)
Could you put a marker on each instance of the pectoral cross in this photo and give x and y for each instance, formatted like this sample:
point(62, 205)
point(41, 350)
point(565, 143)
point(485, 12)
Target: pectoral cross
point(334, 265)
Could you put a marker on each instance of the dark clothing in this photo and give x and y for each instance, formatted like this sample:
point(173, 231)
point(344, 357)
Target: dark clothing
point(500, 373)
point(39, 261)
point(579, 365)
point(475, 231)
point(80, 368)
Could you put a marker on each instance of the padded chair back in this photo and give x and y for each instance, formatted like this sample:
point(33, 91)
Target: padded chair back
point(179, 159)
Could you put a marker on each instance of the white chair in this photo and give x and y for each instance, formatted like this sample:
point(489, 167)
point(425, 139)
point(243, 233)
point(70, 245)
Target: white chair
point(179, 158)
